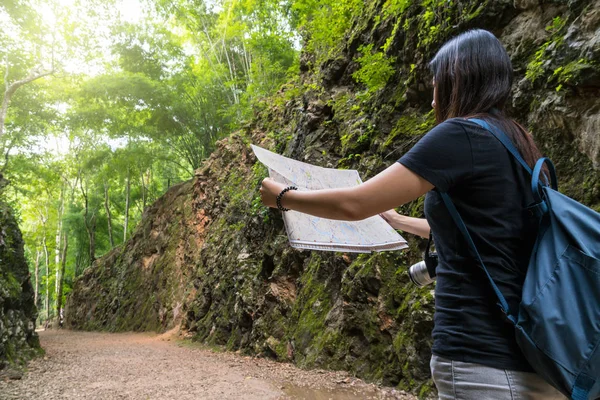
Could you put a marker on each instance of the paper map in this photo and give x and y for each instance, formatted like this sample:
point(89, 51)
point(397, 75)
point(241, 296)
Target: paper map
point(314, 233)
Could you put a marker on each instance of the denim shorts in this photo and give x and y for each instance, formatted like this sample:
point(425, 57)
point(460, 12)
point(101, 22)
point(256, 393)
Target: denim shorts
point(468, 381)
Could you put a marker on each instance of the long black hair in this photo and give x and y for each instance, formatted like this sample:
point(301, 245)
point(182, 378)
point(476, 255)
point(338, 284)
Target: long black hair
point(473, 77)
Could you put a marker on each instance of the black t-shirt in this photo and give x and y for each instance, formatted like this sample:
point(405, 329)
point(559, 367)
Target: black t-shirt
point(491, 192)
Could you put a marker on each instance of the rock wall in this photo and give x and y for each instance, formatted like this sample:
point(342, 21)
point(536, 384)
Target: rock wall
point(239, 284)
point(141, 285)
point(18, 340)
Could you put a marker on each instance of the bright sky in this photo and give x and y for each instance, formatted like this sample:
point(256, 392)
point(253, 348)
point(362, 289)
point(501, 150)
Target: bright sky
point(128, 11)
point(131, 11)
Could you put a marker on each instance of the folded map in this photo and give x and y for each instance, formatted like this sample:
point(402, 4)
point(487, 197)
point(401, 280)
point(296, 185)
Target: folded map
point(314, 233)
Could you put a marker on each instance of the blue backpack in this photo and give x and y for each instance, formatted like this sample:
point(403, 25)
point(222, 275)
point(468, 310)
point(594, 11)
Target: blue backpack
point(557, 324)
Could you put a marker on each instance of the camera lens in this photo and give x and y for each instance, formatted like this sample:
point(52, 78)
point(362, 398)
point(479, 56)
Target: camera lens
point(419, 275)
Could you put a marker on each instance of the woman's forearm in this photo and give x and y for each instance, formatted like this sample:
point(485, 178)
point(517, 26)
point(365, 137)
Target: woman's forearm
point(340, 204)
point(416, 226)
point(329, 203)
point(390, 188)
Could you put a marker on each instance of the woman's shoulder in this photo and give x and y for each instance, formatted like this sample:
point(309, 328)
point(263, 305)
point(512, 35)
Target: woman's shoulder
point(456, 127)
point(462, 127)
point(459, 123)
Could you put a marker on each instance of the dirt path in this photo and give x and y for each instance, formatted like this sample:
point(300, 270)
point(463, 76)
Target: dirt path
point(89, 365)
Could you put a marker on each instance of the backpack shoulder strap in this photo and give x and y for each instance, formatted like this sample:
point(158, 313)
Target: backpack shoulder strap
point(505, 140)
point(536, 185)
point(508, 144)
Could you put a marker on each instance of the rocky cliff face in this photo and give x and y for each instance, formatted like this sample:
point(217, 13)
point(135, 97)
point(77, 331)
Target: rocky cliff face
point(18, 340)
point(208, 256)
point(141, 286)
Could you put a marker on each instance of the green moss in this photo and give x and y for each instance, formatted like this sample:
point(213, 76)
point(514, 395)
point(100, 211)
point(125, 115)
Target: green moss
point(409, 125)
point(570, 74)
point(328, 23)
point(18, 341)
point(233, 342)
point(355, 130)
point(426, 389)
point(393, 8)
point(376, 68)
point(435, 22)
point(311, 313)
point(9, 283)
point(537, 65)
point(535, 68)
point(472, 11)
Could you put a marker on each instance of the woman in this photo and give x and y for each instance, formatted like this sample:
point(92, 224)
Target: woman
point(475, 355)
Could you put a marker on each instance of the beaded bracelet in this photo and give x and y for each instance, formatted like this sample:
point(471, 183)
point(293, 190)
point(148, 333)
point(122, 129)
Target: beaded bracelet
point(280, 196)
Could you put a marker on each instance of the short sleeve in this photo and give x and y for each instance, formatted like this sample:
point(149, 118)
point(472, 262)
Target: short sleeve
point(443, 157)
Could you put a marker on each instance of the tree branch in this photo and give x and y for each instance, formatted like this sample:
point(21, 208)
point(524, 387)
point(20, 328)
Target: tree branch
point(12, 88)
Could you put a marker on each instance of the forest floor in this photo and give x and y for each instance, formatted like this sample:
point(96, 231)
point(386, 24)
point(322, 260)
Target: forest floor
point(91, 365)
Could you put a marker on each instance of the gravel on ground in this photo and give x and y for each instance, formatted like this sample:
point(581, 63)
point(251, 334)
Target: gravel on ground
point(92, 365)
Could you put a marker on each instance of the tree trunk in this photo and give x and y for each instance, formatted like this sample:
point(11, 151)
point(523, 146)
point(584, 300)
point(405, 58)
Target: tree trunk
point(246, 62)
point(47, 305)
point(143, 192)
point(37, 277)
point(92, 236)
point(44, 219)
point(78, 262)
point(150, 180)
point(61, 205)
point(90, 224)
point(232, 76)
point(127, 190)
point(108, 215)
point(62, 274)
point(79, 255)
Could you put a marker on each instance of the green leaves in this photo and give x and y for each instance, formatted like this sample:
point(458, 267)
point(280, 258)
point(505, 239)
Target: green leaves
point(376, 68)
point(325, 23)
point(131, 108)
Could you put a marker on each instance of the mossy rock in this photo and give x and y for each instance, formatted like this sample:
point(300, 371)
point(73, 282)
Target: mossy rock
point(18, 340)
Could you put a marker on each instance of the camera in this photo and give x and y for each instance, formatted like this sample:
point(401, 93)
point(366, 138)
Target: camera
point(423, 272)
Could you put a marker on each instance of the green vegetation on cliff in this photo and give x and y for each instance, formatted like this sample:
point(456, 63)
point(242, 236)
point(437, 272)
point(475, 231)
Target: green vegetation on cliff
point(18, 340)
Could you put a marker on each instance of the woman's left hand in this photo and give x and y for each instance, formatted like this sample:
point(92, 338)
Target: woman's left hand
point(269, 190)
point(389, 216)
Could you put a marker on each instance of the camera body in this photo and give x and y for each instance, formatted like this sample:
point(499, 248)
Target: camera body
point(423, 272)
